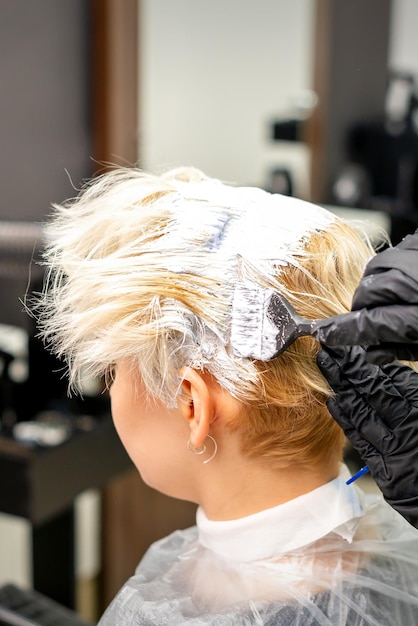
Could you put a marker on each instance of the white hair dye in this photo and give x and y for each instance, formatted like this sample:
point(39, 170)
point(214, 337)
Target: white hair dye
point(244, 223)
point(132, 238)
point(250, 222)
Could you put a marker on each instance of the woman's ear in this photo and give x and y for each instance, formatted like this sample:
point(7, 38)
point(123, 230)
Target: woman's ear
point(196, 404)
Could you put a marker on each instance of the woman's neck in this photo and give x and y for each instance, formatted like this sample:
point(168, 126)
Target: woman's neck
point(248, 487)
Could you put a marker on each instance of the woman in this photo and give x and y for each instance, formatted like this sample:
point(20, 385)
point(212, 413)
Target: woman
point(142, 275)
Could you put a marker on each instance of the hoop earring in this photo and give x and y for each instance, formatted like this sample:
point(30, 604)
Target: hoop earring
point(203, 449)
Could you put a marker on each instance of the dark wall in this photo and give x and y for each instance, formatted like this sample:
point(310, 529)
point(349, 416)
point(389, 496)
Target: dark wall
point(44, 104)
point(350, 78)
point(358, 72)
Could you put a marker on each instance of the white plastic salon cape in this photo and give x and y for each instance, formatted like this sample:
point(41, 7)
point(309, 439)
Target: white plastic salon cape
point(334, 557)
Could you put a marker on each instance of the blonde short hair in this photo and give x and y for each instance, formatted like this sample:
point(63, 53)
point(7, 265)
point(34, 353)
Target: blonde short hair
point(143, 267)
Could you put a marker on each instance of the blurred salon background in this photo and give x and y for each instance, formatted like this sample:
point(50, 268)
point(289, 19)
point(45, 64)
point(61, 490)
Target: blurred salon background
point(312, 98)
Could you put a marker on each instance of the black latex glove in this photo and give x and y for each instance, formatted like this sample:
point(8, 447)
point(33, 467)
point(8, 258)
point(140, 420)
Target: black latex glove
point(385, 307)
point(377, 407)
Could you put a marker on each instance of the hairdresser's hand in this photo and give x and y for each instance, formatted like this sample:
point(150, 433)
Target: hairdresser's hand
point(385, 307)
point(377, 407)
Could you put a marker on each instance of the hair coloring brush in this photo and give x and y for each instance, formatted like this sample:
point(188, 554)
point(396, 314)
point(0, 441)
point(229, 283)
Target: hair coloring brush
point(264, 323)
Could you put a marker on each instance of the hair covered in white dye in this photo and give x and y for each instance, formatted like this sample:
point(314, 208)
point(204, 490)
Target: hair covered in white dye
point(143, 267)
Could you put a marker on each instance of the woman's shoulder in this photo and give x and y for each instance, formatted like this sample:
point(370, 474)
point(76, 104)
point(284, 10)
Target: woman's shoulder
point(168, 549)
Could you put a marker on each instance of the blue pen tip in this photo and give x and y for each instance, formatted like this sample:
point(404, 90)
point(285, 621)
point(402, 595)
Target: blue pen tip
point(358, 474)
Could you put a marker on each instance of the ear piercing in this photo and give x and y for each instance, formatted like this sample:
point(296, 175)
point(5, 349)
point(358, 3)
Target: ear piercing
point(203, 449)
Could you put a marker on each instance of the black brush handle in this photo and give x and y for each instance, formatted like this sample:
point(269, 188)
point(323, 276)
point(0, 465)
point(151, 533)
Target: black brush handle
point(290, 325)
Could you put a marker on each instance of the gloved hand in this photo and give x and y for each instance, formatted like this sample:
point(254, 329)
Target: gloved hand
point(377, 407)
point(385, 307)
